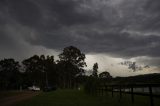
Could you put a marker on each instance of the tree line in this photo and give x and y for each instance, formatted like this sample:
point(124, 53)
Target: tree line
point(67, 72)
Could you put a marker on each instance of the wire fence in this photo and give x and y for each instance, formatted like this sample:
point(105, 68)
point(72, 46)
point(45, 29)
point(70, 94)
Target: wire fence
point(150, 90)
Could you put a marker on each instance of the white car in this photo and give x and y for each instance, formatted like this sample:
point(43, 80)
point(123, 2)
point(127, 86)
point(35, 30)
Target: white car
point(34, 88)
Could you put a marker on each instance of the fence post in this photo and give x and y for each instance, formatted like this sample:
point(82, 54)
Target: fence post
point(102, 90)
point(120, 89)
point(106, 90)
point(96, 91)
point(132, 94)
point(151, 95)
point(99, 91)
point(112, 90)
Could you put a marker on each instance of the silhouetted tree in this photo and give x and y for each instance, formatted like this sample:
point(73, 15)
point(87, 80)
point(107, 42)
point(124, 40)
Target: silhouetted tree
point(9, 74)
point(34, 69)
point(105, 74)
point(95, 70)
point(50, 69)
point(71, 62)
point(40, 70)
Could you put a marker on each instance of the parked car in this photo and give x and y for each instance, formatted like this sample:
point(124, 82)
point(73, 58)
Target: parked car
point(34, 88)
point(49, 88)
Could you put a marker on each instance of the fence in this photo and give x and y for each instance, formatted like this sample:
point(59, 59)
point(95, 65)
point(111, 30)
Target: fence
point(131, 89)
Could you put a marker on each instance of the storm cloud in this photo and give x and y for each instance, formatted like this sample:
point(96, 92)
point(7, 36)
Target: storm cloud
point(118, 28)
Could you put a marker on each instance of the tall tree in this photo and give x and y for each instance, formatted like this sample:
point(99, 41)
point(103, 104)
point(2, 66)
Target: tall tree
point(72, 61)
point(34, 68)
point(40, 70)
point(9, 74)
point(95, 70)
point(51, 72)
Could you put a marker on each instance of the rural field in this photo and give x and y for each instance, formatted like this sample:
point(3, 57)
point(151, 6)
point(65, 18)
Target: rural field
point(74, 98)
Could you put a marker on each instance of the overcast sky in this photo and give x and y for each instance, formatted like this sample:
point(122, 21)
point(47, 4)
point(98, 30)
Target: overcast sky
point(107, 31)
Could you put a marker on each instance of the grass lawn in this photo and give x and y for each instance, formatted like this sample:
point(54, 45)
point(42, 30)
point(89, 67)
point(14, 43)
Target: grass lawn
point(79, 98)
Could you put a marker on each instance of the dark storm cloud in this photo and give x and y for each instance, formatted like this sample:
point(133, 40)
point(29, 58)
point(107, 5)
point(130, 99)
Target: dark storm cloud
point(24, 12)
point(48, 13)
point(65, 13)
point(120, 28)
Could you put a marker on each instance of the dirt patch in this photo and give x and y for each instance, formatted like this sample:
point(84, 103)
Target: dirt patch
point(12, 100)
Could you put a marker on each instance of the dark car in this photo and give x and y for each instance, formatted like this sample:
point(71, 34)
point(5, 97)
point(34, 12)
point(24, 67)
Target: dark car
point(49, 88)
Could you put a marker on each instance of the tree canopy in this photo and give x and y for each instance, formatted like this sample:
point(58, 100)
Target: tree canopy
point(105, 74)
point(95, 70)
point(71, 62)
point(9, 74)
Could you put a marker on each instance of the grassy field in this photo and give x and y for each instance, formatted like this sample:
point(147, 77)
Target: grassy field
point(79, 98)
